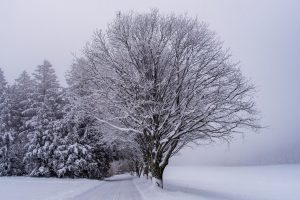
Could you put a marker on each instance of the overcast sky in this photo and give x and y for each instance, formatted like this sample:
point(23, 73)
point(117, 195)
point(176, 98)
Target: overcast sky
point(264, 35)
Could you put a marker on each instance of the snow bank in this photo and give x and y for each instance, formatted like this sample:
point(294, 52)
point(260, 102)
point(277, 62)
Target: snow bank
point(26, 188)
point(236, 183)
point(150, 192)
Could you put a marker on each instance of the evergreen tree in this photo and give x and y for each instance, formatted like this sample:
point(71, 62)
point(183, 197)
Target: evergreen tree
point(47, 107)
point(21, 113)
point(24, 91)
point(82, 151)
point(75, 152)
point(7, 131)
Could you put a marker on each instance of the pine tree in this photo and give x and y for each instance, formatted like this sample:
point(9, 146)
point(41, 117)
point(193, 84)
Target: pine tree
point(20, 108)
point(6, 138)
point(74, 153)
point(14, 100)
point(47, 105)
point(82, 151)
point(24, 90)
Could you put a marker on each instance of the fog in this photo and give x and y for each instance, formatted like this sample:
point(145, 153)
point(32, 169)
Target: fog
point(263, 35)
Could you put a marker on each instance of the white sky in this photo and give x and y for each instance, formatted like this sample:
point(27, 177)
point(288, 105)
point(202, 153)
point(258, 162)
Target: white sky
point(263, 34)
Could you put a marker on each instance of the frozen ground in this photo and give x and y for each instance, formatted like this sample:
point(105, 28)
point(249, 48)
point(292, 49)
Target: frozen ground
point(280, 182)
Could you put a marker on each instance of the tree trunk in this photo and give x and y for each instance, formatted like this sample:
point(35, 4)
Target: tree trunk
point(157, 174)
point(137, 169)
point(146, 170)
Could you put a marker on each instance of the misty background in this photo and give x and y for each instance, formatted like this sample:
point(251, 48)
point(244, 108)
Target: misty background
point(264, 35)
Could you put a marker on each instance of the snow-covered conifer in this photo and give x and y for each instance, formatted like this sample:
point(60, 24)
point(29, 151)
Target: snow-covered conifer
point(6, 130)
point(47, 107)
point(20, 94)
point(82, 151)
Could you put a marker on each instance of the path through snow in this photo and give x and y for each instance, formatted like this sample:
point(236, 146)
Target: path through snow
point(117, 188)
point(126, 187)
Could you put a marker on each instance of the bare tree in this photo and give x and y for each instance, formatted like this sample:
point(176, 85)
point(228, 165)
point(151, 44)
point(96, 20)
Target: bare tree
point(165, 82)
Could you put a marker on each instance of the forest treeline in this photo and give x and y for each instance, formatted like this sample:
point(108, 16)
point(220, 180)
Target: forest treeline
point(43, 133)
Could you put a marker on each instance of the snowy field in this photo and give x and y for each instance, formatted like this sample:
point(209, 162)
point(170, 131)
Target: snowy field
point(280, 182)
point(277, 182)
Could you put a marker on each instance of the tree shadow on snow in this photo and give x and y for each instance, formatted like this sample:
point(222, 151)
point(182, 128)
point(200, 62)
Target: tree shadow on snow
point(210, 194)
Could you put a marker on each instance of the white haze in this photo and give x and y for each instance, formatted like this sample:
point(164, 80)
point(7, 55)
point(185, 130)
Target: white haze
point(263, 35)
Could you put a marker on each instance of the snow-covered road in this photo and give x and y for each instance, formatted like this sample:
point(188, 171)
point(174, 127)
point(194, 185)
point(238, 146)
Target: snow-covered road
point(119, 187)
point(126, 187)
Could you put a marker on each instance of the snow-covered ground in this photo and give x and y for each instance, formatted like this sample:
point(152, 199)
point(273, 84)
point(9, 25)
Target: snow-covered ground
point(280, 182)
point(25, 188)
point(121, 187)
point(277, 182)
